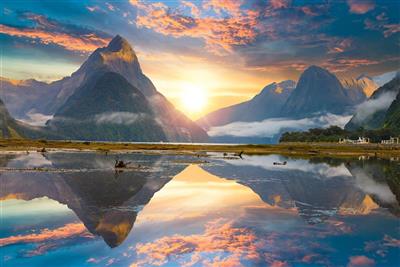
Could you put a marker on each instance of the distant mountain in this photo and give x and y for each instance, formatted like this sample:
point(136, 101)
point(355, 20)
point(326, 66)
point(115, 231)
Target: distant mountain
point(107, 108)
point(318, 91)
point(266, 104)
point(372, 113)
point(11, 128)
point(362, 83)
point(118, 57)
point(23, 96)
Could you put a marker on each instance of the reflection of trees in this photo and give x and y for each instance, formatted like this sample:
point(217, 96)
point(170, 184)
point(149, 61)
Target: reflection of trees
point(316, 196)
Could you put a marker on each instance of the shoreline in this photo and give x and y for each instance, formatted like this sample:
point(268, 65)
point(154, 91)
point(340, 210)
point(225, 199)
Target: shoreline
point(287, 149)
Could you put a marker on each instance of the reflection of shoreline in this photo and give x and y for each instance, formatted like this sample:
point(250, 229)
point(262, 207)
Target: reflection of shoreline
point(293, 149)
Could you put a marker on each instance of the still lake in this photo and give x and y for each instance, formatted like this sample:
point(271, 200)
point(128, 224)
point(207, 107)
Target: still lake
point(73, 209)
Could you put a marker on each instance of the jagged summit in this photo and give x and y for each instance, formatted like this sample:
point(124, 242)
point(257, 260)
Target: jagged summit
point(118, 49)
point(118, 43)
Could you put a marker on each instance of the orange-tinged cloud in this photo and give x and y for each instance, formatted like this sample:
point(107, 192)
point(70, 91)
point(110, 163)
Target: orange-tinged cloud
point(391, 29)
point(84, 43)
point(361, 261)
point(66, 231)
point(280, 3)
point(360, 6)
point(219, 33)
point(233, 243)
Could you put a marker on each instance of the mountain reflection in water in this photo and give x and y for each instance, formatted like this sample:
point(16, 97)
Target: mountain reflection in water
point(322, 212)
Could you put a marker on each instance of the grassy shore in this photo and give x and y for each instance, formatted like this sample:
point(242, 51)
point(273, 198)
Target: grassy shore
point(300, 149)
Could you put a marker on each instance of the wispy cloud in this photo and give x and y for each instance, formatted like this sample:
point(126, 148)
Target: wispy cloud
point(231, 244)
point(52, 32)
point(66, 231)
point(360, 261)
point(360, 6)
point(272, 127)
point(126, 118)
point(36, 119)
point(366, 109)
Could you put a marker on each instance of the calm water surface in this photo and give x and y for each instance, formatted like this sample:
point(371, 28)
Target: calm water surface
point(75, 210)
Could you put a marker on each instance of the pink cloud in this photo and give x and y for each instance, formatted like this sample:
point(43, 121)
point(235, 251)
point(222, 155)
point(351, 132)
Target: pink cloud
point(229, 242)
point(219, 33)
point(279, 3)
point(84, 43)
point(360, 261)
point(66, 231)
point(360, 6)
point(391, 29)
point(194, 10)
point(279, 264)
point(340, 46)
point(49, 31)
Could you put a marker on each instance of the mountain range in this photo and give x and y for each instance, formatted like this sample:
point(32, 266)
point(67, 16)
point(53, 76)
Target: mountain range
point(109, 98)
point(156, 119)
point(318, 91)
point(266, 104)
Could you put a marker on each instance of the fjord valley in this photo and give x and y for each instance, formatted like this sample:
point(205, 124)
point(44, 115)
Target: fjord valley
point(174, 133)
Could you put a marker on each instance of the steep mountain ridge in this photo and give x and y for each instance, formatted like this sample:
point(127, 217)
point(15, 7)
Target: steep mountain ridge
point(107, 108)
point(318, 91)
point(371, 114)
point(119, 57)
point(264, 105)
point(392, 116)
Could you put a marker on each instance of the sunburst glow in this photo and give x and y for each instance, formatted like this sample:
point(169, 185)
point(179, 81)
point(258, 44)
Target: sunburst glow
point(193, 98)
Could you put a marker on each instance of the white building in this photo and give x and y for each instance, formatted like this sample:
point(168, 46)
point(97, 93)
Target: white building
point(360, 140)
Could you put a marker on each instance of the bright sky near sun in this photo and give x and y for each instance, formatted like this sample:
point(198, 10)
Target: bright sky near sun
point(203, 55)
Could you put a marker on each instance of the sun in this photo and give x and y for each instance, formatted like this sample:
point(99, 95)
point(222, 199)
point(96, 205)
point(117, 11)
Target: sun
point(193, 98)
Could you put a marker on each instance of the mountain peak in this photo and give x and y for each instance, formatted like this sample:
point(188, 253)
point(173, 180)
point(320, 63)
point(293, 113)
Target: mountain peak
point(118, 43)
point(315, 68)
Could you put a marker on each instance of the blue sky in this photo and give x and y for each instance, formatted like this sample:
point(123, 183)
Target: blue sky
point(231, 48)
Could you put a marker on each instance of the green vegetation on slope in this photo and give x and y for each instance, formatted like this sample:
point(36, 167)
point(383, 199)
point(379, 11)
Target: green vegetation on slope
point(334, 133)
point(392, 118)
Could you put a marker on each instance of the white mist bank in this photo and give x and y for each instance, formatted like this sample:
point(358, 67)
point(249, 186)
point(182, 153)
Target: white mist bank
point(274, 126)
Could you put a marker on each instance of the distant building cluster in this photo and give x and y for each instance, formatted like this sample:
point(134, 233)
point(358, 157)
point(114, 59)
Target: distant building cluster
point(391, 141)
point(360, 140)
point(366, 140)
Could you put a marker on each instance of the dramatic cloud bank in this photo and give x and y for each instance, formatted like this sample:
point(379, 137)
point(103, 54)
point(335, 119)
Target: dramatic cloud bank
point(125, 118)
point(48, 31)
point(231, 26)
point(272, 127)
point(371, 106)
